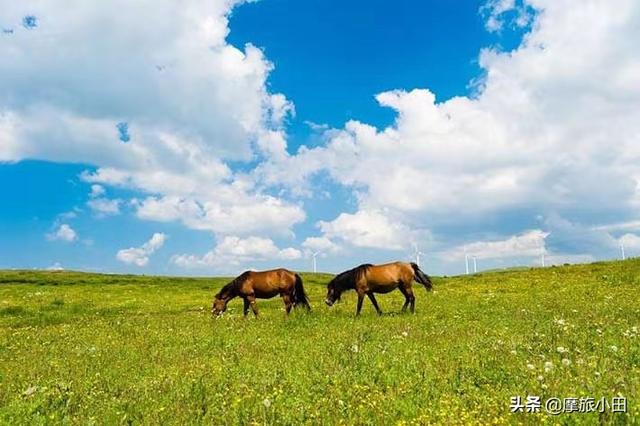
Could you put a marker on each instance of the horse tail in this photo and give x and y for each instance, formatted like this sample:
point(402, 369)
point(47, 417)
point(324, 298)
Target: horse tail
point(421, 277)
point(299, 296)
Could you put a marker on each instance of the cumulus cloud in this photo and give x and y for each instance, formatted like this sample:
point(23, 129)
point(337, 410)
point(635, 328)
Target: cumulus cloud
point(104, 206)
point(572, 237)
point(553, 127)
point(497, 12)
point(149, 93)
point(232, 250)
point(100, 205)
point(139, 256)
point(232, 212)
point(367, 228)
point(63, 232)
point(528, 244)
point(633, 225)
point(96, 191)
point(321, 245)
point(631, 244)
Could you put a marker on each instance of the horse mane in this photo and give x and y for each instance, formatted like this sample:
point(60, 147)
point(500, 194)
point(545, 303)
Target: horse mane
point(347, 279)
point(233, 284)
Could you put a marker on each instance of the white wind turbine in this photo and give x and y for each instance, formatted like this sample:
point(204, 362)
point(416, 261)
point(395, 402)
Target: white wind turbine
point(466, 261)
point(313, 259)
point(622, 250)
point(416, 254)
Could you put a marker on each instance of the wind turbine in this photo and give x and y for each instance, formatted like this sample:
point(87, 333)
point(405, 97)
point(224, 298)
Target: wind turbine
point(466, 261)
point(475, 265)
point(313, 257)
point(416, 254)
point(622, 250)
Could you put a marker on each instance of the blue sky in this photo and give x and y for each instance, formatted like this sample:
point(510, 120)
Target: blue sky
point(214, 137)
point(332, 57)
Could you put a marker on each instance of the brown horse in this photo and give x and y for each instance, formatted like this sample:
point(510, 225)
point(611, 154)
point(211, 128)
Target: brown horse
point(251, 285)
point(368, 279)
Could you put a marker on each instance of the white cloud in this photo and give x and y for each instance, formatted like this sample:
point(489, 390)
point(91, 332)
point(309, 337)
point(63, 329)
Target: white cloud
point(574, 238)
point(631, 243)
point(227, 213)
point(554, 126)
point(96, 191)
point(495, 11)
point(139, 256)
point(64, 232)
point(632, 225)
point(289, 253)
point(528, 244)
point(189, 101)
point(232, 250)
point(104, 206)
point(322, 245)
point(161, 68)
point(367, 228)
point(72, 214)
point(100, 205)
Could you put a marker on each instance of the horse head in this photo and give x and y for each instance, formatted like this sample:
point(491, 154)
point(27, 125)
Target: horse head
point(333, 292)
point(219, 306)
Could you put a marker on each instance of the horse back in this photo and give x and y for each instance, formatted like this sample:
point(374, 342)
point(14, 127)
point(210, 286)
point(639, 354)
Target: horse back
point(390, 273)
point(267, 284)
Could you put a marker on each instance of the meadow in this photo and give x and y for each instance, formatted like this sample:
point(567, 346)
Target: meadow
point(78, 348)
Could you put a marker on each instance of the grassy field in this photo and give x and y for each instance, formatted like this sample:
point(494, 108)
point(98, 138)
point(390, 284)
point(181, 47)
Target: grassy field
point(110, 349)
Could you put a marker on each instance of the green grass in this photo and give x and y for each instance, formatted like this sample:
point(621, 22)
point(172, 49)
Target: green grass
point(81, 348)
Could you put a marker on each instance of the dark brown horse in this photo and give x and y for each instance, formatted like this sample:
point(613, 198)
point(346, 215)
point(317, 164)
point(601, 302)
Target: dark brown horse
point(368, 279)
point(251, 285)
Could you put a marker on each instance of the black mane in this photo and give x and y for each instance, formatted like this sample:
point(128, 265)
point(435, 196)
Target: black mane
point(231, 286)
point(347, 280)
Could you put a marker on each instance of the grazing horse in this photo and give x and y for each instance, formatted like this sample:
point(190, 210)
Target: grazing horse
point(368, 279)
point(251, 285)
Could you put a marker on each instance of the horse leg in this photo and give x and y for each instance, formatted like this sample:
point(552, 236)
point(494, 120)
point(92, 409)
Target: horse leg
point(409, 298)
point(412, 300)
point(375, 303)
point(252, 302)
point(246, 306)
point(360, 300)
point(288, 303)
